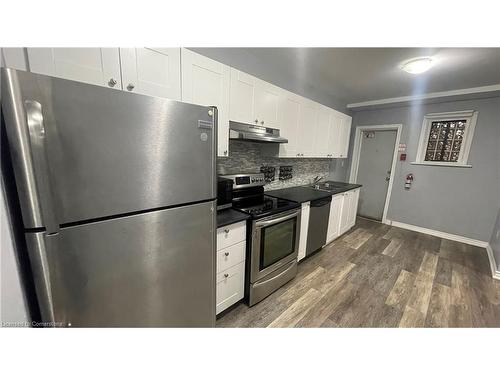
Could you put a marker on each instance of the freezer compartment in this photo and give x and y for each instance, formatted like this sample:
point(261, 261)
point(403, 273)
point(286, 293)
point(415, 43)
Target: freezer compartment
point(83, 152)
point(150, 270)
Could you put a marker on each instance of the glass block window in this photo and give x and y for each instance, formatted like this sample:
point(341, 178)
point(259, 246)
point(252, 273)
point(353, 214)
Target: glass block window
point(445, 140)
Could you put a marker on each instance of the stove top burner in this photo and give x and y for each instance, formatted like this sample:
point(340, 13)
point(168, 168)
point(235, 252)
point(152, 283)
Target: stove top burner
point(266, 206)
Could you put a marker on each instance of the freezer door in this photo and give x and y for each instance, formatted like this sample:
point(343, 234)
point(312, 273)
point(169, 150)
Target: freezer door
point(148, 270)
point(82, 152)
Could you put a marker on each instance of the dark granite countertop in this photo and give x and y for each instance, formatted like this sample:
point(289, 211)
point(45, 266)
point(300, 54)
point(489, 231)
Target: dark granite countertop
point(303, 194)
point(230, 216)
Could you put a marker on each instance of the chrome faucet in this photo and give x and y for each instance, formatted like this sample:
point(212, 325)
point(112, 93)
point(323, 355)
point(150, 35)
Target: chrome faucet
point(317, 179)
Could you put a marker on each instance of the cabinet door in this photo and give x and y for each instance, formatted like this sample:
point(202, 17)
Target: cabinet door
point(308, 120)
point(344, 216)
point(345, 132)
point(334, 219)
point(321, 136)
point(267, 104)
point(97, 66)
point(14, 58)
point(230, 287)
point(242, 97)
point(353, 206)
point(304, 227)
point(206, 82)
point(155, 72)
point(334, 134)
point(290, 125)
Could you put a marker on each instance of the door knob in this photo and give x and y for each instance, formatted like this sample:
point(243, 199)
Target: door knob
point(112, 82)
point(130, 87)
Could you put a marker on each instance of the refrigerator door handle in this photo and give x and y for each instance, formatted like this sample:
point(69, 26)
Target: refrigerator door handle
point(39, 264)
point(36, 129)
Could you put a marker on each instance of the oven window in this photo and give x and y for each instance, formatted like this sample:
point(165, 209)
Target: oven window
point(277, 242)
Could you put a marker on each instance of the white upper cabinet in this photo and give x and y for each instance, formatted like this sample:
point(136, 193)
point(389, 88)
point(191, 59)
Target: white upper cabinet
point(253, 101)
point(14, 58)
point(206, 82)
point(334, 133)
point(98, 66)
point(308, 121)
point(322, 147)
point(268, 101)
point(242, 97)
point(345, 132)
point(290, 125)
point(150, 71)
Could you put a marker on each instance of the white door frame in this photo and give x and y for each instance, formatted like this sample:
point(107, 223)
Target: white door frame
point(357, 150)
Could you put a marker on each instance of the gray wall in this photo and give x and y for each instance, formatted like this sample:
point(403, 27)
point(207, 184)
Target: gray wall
point(462, 201)
point(495, 241)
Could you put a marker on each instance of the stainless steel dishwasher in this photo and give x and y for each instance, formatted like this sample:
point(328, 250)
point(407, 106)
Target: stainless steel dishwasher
point(318, 224)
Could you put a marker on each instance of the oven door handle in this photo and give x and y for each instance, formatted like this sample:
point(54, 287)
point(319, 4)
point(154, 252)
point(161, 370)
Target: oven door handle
point(267, 223)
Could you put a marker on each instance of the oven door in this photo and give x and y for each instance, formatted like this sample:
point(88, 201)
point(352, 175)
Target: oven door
point(275, 242)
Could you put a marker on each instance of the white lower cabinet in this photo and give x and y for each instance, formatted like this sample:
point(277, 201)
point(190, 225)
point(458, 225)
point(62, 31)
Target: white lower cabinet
point(334, 219)
point(231, 250)
point(304, 226)
point(349, 210)
point(230, 286)
point(343, 211)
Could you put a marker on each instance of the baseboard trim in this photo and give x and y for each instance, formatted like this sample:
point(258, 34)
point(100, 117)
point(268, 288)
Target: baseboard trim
point(447, 236)
point(495, 272)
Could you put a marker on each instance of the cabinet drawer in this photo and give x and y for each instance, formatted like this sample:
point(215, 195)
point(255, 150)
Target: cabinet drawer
point(231, 234)
point(230, 256)
point(230, 286)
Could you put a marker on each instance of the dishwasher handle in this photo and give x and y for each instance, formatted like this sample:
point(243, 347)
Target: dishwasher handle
point(321, 202)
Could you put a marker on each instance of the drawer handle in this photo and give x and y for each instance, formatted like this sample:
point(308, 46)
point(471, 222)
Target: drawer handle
point(226, 275)
point(226, 231)
point(226, 254)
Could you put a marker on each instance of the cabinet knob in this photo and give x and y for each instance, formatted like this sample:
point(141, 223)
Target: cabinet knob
point(226, 231)
point(262, 122)
point(225, 152)
point(130, 87)
point(226, 275)
point(112, 82)
point(226, 254)
point(256, 121)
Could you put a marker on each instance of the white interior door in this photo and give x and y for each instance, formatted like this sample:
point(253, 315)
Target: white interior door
point(242, 98)
point(206, 82)
point(374, 171)
point(97, 66)
point(152, 71)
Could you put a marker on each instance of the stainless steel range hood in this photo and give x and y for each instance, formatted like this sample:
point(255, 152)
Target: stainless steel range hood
point(254, 133)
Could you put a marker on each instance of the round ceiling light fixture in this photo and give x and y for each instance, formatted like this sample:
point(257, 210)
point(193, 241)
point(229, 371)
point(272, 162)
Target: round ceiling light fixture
point(417, 66)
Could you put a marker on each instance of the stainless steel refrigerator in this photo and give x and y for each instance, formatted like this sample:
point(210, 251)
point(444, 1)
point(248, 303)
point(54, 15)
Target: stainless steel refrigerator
point(117, 193)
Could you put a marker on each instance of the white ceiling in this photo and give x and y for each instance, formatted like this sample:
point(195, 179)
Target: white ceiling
point(350, 75)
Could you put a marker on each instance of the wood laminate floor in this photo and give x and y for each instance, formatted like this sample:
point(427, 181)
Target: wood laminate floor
point(381, 276)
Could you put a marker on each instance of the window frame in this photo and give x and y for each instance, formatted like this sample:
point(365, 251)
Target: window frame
point(469, 116)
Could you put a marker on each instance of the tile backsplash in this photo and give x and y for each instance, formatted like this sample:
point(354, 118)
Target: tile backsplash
point(247, 157)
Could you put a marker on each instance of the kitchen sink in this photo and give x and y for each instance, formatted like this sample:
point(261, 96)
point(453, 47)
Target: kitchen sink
point(329, 185)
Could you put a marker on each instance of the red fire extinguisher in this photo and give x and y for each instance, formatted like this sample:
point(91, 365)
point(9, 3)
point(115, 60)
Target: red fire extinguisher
point(409, 180)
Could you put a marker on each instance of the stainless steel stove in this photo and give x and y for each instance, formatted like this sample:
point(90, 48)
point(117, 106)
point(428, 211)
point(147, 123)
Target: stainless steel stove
point(273, 238)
